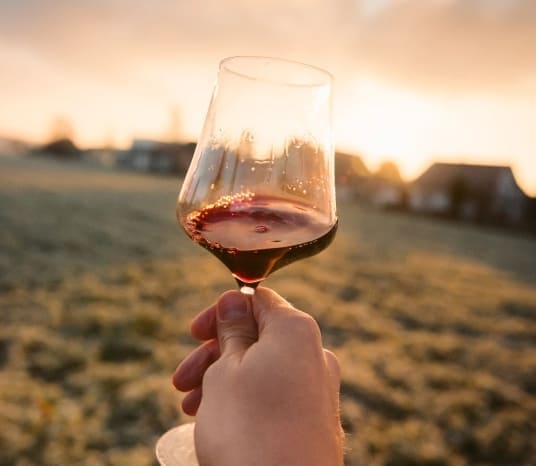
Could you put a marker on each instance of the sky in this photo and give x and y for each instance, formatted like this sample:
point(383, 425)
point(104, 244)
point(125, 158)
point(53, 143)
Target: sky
point(415, 80)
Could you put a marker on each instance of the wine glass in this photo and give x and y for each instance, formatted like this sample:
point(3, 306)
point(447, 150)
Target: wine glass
point(260, 192)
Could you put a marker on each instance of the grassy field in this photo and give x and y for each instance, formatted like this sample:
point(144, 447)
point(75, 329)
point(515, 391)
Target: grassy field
point(434, 325)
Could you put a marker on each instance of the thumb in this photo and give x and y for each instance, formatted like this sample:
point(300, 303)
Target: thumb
point(237, 328)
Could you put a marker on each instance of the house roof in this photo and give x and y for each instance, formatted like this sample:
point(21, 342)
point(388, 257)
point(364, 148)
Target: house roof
point(347, 164)
point(482, 178)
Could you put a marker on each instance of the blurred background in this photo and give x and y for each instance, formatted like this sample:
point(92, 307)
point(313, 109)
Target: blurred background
point(427, 295)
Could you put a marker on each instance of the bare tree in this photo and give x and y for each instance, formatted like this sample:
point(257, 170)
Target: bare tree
point(174, 130)
point(389, 171)
point(61, 128)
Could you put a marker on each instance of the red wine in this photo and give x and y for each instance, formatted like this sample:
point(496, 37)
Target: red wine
point(255, 235)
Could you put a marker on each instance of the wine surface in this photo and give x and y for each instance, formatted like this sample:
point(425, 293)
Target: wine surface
point(254, 235)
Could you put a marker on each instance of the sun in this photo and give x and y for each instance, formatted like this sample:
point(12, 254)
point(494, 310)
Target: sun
point(383, 122)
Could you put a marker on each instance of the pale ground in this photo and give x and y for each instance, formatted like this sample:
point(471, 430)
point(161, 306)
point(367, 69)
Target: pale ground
point(434, 324)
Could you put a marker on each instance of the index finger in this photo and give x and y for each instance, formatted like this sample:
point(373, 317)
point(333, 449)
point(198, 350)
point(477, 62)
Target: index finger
point(203, 327)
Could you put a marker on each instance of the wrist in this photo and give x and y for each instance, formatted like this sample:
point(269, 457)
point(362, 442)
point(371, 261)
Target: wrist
point(277, 450)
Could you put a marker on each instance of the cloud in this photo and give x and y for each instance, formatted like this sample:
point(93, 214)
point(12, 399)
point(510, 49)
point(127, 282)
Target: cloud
point(138, 30)
point(462, 45)
point(473, 46)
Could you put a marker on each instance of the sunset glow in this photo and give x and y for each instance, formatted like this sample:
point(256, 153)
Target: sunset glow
point(414, 81)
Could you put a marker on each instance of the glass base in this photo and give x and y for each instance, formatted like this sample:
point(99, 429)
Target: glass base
point(176, 447)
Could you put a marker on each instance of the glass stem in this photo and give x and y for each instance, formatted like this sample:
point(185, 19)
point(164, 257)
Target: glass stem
point(247, 290)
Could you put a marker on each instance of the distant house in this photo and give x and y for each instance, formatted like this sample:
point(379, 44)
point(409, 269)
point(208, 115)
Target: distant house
point(9, 146)
point(138, 156)
point(385, 193)
point(106, 157)
point(351, 175)
point(156, 156)
point(386, 188)
point(64, 149)
point(481, 193)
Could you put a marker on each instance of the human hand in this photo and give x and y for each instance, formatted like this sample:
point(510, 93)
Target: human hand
point(264, 390)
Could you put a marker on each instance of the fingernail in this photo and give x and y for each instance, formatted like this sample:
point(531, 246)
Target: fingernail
point(232, 306)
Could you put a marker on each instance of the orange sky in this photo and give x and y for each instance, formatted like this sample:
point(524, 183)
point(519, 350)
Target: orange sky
point(415, 80)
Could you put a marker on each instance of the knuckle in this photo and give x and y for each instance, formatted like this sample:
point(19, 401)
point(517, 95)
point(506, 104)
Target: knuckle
point(310, 324)
point(306, 326)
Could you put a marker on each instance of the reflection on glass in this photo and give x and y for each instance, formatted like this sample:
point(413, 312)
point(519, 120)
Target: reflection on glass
point(259, 193)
